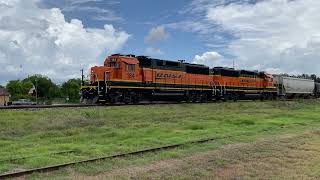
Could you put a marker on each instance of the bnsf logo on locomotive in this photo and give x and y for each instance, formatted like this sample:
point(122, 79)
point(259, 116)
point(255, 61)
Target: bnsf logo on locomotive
point(167, 76)
point(246, 81)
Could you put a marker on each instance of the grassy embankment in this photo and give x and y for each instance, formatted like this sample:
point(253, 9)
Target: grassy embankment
point(104, 131)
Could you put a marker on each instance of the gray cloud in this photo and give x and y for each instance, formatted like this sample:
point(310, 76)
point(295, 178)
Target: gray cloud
point(150, 51)
point(156, 34)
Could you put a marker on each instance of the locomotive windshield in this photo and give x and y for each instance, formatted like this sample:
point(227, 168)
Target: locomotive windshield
point(113, 64)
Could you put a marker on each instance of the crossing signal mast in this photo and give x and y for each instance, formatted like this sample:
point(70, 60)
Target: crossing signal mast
point(82, 77)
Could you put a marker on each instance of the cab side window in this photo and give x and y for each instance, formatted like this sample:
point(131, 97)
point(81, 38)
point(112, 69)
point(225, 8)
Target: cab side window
point(130, 67)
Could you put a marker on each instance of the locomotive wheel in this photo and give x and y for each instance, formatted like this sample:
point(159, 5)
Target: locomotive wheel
point(84, 101)
point(204, 98)
point(113, 100)
point(227, 97)
point(235, 97)
point(194, 98)
point(188, 98)
point(130, 97)
point(127, 99)
point(89, 101)
point(199, 97)
point(136, 98)
point(270, 97)
point(95, 100)
point(263, 97)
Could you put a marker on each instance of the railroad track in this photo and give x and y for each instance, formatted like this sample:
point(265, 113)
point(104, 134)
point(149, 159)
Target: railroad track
point(104, 105)
point(49, 106)
point(89, 105)
point(122, 155)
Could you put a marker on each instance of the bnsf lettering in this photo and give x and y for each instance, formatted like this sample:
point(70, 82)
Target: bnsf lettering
point(167, 76)
point(245, 81)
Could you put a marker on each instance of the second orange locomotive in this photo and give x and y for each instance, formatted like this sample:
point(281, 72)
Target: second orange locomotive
point(130, 79)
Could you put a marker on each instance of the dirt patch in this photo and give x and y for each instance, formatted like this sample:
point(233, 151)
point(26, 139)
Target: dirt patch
point(288, 157)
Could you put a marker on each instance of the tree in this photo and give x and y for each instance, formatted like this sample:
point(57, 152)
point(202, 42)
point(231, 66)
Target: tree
point(45, 87)
point(18, 89)
point(14, 87)
point(71, 89)
point(313, 77)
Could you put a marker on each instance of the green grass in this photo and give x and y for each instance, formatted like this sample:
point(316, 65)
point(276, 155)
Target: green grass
point(93, 132)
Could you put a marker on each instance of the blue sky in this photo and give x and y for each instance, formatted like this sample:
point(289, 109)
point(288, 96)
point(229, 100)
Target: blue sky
point(57, 38)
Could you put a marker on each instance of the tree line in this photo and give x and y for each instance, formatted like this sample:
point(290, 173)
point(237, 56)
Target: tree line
point(305, 76)
point(47, 90)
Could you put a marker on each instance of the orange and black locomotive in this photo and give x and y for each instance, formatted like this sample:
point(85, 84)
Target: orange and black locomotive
point(130, 79)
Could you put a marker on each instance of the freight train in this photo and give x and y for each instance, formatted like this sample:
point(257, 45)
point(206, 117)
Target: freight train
point(131, 79)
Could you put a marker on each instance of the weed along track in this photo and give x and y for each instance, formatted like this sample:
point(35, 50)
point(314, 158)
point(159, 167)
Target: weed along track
point(148, 150)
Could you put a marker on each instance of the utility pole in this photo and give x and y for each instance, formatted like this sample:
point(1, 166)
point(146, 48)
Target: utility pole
point(234, 67)
point(82, 78)
point(36, 91)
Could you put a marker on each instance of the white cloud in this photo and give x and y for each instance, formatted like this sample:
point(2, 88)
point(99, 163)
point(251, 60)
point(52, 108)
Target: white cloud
point(99, 14)
point(107, 17)
point(35, 40)
point(281, 35)
point(193, 26)
point(83, 1)
point(109, 2)
point(150, 51)
point(74, 8)
point(211, 59)
point(156, 34)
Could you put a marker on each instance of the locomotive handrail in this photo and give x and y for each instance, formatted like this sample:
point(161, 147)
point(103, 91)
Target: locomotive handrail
point(221, 90)
point(213, 85)
point(96, 77)
point(105, 80)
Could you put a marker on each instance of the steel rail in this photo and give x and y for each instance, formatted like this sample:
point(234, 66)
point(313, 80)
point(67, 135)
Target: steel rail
point(92, 105)
point(59, 166)
point(112, 105)
point(27, 157)
point(49, 106)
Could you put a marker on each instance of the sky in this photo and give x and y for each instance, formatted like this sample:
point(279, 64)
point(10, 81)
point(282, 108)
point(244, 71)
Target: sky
point(58, 38)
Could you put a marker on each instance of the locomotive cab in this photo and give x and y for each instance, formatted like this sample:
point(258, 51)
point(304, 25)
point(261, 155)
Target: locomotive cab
point(123, 67)
point(116, 68)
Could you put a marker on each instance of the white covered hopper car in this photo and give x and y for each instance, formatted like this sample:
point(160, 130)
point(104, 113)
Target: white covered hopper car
point(290, 87)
